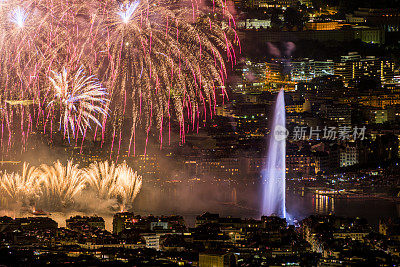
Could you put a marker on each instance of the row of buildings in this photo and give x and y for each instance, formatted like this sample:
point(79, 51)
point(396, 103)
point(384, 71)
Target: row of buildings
point(323, 240)
point(351, 67)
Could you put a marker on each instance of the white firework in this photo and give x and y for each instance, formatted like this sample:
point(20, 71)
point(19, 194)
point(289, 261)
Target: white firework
point(129, 184)
point(101, 178)
point(81, 98)
point(19, 16)
point(61, 184)
point(20, 188)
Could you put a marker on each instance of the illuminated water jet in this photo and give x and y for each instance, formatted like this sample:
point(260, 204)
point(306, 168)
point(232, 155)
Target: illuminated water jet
point(274, 184)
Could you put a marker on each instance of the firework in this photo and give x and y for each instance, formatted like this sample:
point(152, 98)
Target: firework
point(61, 183)
point(20, 188)
point(102, 178)
point(165, 59)
point(81, 100)
point(58, 187)
point(111, 181)
point(127, 10)
point(19, 16)
point(158, 60)
point(128, 184)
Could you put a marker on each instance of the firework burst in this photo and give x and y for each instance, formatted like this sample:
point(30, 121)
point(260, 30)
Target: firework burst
point(110, 181)
point(61, 183)
point(128, 185)
point(159, 62)
point(81, 100)
point(164, 58)
point(58, 187)
point(102, 178)
point(20, 188)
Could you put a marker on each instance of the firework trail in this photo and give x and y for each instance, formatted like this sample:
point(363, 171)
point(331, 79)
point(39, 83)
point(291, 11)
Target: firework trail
point(164, 57)
point(159, 61)
point(61, 187)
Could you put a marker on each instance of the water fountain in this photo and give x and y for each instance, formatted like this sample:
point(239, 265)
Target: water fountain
point(274, 184)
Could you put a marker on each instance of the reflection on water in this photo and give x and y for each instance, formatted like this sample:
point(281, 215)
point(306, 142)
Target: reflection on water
point(323, 204)
point(245, 201)
point(302, 204)
point(237, 201)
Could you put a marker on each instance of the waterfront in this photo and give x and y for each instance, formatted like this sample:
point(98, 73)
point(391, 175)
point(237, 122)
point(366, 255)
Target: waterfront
point(371, 209)
point(242, 202)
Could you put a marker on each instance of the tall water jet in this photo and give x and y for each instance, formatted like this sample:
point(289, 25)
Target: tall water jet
point(274, 184)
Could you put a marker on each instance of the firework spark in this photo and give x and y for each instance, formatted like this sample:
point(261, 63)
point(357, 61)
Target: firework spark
point(111, 181)
point(102, 178)
point(126, 11)
point(165, 60)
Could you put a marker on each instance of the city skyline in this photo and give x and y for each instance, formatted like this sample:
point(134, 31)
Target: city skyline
point(199, 132)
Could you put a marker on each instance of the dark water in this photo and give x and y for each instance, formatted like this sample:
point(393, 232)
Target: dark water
point(299, 207)
point(244, 202)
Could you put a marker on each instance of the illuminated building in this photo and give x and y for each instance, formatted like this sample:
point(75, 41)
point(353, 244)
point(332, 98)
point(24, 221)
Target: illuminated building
point(390, 228)
point(350, 18)
point(160, 225)
point(152, 241)
point(325, 87)
point(146, 165)
point(274, 3)
point(323, 25)
point(348, 155)
point(344, 70)
point(300, 164)
point(364, 33)
point(379, 101)
point(254, 24)
point(307, 69)
point(322, 162)
point(216, 259)
point(224, 167)
point(122, 221)
point(388, 19)
point(79, 221)
point(341, 114)
point(307, 3)
point(352, 66)
point(294, 108)
point(382, 115)
point(369, 35)
point(254, 72)
point(277, 76)
point(35, 223)
point(354, 235)
point(253, 77)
